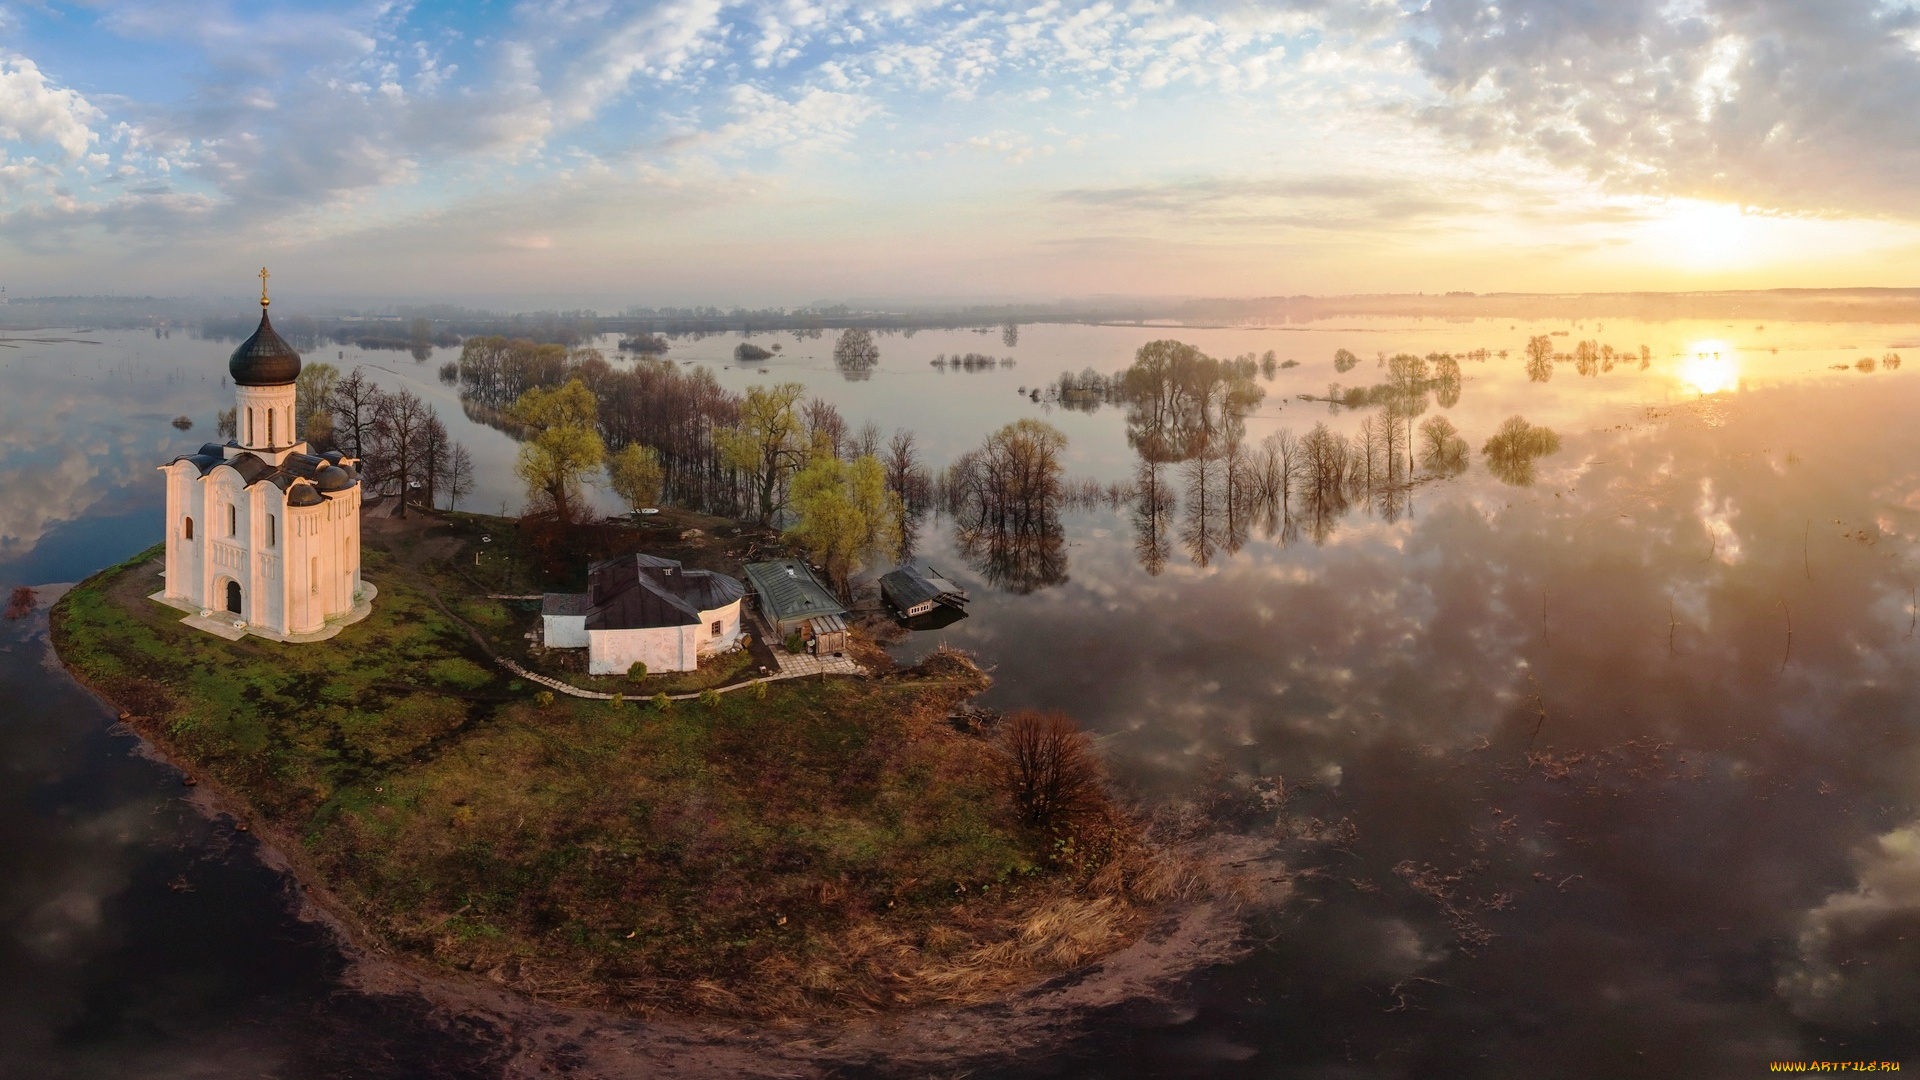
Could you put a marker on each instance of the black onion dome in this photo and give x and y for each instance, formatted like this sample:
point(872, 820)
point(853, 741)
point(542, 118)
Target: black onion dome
point(265, 359)
point(303, 495)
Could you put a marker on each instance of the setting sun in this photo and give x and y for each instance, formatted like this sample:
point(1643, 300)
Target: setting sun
point(1712, 367)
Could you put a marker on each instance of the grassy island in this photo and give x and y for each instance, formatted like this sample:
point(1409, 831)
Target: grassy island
point(817, 849)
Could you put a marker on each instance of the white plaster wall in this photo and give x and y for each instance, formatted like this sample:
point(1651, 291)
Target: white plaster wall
point(565, 631)
point(259, 401)
point(662, 648)
point(729, 619)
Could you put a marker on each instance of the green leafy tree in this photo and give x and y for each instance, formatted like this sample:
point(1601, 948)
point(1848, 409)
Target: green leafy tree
point(768, 443)
point(313, 400)
point(848, 517)
point(563, 447)
point(636, 475)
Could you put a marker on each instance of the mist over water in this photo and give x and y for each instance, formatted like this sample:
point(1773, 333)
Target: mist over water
point(1609, 769)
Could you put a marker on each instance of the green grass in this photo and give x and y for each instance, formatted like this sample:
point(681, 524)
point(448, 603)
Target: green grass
point(821, 849)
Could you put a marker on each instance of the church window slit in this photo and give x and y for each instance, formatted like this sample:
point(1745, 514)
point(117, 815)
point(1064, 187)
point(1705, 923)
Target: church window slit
point(189, 528)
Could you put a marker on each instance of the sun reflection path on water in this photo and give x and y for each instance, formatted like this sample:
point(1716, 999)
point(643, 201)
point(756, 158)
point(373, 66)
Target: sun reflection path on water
point(1712, 367)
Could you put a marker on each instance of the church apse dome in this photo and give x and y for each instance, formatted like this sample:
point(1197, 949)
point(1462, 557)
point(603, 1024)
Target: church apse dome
point(333, 478)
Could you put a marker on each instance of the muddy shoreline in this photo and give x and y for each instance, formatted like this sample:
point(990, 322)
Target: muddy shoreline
point(535, 1038)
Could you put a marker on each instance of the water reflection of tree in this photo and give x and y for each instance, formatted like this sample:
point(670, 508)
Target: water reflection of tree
point(1153, 506)
point(1513, 449)
point(1005, 500)
point(1182, 403)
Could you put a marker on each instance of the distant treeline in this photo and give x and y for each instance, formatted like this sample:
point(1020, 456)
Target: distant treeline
point(1820, 305)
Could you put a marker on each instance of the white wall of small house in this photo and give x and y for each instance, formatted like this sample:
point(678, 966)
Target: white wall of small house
point(663, 648)
point(729, 619)
point(564, 631)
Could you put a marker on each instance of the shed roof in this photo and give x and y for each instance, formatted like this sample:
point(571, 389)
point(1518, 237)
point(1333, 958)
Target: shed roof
point(564, 603)
point(788, 591)
point(909, 585)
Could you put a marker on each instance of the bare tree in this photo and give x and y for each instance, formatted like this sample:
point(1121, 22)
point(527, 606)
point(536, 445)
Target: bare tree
point(353, 400)
point(435, 449)
point(399, 432)
point(865, 443)
point(1051, 768)
point(459, 475)
point(826, 429)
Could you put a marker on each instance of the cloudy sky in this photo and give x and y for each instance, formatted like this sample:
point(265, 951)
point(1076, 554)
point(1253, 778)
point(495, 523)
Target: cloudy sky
point(782, 151)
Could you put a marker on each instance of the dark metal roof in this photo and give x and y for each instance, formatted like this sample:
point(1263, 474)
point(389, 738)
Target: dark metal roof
point(908, 585)
point(788, 591)
point(265, 359)
point(329, 479)
point(641, 591)
point(333, 478)
point(564, 603)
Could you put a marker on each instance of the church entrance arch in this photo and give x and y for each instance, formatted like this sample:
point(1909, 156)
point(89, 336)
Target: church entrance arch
point(233, 596)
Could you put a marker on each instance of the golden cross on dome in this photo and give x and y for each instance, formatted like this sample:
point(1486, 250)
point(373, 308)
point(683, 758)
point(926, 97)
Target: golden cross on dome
point(263, 287)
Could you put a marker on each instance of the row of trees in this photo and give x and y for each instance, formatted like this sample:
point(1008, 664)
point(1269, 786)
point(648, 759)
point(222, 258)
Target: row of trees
point(853, 498)
point(1587, 357)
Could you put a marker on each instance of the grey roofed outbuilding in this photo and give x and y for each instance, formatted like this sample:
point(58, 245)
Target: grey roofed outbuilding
point(790, 594)
point(913, 589)
point(564, 604)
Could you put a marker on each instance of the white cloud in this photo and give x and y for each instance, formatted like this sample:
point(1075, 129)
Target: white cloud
point(1778, 103)
point(34, 110)
point(1859, 962)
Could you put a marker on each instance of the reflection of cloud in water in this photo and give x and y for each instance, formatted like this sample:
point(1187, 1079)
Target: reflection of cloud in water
point(67, 451)
point(1681, 794)
point(1859, 951)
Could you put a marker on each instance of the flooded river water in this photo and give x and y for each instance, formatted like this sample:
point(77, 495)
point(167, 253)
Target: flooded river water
point(1610, 770)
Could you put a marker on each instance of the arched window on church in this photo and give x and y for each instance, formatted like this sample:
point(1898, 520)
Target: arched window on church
point(270, 441)
point(233, 520)
point(189, 528)
point(270, 530)
point(249, 427)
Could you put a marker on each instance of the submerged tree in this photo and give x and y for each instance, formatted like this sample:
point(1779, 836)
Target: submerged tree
point(1153, 509)
point(855, 353)
point(1442, 449)
point(1182, 402)
point(1005, 501)
point(1513, 449)
point(1344, 361)
point(1539, 358)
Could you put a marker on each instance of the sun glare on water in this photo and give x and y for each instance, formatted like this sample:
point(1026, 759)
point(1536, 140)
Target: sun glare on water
point(1711, 367)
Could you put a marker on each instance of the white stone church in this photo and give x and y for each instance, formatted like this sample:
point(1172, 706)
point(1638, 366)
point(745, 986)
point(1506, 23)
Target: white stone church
point(263, 537)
